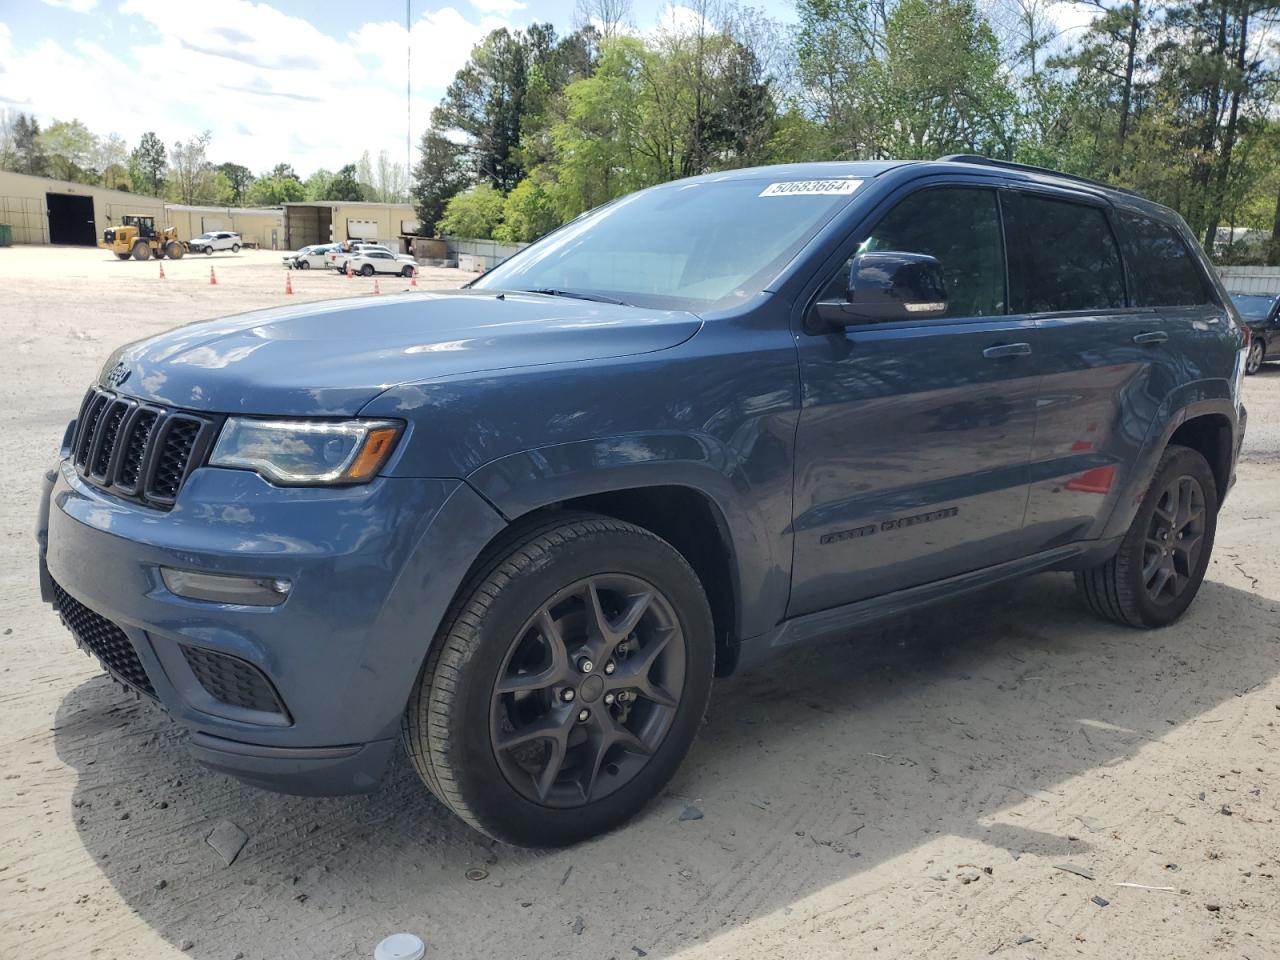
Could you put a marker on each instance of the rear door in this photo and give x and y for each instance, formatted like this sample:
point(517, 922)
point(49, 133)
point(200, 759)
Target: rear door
point(912, 446)
point(1106, 360)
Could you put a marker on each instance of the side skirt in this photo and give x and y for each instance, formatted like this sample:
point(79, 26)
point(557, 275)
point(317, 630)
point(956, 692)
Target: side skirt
point(840, 620)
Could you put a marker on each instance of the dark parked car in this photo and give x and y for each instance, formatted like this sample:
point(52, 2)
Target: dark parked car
point(522, 525)
point(1261, 313)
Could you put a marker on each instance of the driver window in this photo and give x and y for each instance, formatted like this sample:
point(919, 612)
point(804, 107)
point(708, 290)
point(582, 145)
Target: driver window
point(958, 226)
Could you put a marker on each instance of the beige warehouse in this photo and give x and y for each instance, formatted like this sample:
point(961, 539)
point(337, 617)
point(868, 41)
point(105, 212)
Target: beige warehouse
point(328, 221)
point(258, 226)
point(43, 210)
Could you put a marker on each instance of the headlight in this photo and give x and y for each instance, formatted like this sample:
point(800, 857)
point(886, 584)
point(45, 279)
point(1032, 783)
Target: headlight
point(306, 452)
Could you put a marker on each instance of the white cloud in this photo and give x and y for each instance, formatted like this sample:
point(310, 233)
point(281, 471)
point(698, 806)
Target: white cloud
point(271, 87)
point(79, 6)
point(498, 6)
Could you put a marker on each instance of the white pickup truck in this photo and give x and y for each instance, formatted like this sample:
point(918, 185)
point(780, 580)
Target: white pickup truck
point(337, 259)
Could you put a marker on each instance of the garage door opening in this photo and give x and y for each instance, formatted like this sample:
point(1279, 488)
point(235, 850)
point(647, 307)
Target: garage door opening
point(71, 219)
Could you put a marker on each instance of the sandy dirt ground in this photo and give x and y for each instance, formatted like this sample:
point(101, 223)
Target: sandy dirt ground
point(909, 792)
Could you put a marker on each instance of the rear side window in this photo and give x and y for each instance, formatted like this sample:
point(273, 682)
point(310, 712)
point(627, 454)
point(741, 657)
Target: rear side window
point(1165, 273)
point(1062, 256)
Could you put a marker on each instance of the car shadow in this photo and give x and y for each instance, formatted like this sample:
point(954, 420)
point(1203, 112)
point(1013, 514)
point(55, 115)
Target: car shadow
point(809, 770)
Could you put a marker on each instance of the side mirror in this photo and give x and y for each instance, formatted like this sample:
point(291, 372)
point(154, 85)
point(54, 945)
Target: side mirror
point(885, 285)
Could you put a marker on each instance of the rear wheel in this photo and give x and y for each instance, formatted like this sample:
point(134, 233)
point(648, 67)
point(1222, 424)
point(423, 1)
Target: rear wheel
point(123, 256)
point(566, 683)
point(1257, 350)
point(1161, 562)
point(235, 248)
point(367, 270)
point(142, 250)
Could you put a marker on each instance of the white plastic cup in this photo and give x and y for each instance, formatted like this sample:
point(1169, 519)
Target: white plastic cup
point(400, 946)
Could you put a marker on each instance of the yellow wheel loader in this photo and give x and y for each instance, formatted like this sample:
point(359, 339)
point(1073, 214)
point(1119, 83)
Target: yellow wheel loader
point(137, 237)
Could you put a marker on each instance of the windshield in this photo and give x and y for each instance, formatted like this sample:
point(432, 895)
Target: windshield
point(1253, 307)
point(205, 236)
point(687, 246)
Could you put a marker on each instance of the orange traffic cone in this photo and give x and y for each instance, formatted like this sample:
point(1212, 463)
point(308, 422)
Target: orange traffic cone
point(213, 278)
point(413, 279)
point(349, 273)
point(288, 282)
point(375, 285)
point(162, 271)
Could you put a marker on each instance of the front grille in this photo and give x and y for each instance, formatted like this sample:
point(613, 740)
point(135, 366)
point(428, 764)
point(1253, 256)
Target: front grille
point(97, 635)
point(233, 681)
point(139, 451)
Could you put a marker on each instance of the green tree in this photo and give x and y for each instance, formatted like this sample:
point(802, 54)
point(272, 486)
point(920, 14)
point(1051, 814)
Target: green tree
point(70, 147)
point(239, 178)
point(192, 178)
point(344, 185)
point(147, 164)
point(473, 215)
point(28, 151)
point(439, 175)
point(271, 189)
point(527, 214)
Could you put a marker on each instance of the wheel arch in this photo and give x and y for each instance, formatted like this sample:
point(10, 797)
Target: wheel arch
point(692, 502)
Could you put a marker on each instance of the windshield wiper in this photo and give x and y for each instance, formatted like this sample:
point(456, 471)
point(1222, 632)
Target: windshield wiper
point(576, 295)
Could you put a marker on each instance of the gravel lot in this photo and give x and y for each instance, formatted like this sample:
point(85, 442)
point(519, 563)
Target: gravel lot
point(909, 792)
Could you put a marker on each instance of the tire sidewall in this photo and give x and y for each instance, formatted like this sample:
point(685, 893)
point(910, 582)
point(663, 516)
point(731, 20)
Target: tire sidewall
point(498, 806)
point(1180, 461)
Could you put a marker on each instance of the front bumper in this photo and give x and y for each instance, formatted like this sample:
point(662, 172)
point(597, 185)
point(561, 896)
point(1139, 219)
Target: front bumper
point(373, 570)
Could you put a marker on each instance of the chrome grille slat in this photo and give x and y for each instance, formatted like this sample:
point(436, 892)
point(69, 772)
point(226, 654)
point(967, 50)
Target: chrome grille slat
point(139, 451)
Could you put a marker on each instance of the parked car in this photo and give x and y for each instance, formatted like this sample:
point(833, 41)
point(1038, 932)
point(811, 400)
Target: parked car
point(370, 261)
point(1261, 313)
point(308, 257)
point(217, 240)
point(522, 525)
point(337, 259)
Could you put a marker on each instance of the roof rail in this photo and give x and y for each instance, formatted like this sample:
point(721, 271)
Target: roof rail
point(1031, 168)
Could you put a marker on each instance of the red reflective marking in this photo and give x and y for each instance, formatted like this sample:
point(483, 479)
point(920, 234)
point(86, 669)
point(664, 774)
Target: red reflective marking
point(1082, 445)
point(1097, 480)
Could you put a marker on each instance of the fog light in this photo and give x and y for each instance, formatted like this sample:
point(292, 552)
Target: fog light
point(219, 588)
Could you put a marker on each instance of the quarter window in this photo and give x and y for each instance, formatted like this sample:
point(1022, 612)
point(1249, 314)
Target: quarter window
point(961, 228)
point(1165, 273)
point(1062, 256)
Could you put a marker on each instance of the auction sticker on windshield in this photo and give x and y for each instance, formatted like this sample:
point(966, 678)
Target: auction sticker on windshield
point(811, 188)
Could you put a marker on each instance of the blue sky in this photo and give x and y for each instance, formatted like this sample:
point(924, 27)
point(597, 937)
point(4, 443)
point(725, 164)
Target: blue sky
point(311, 83)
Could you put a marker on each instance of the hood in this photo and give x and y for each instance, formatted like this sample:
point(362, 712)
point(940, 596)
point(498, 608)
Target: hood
point(333, 357)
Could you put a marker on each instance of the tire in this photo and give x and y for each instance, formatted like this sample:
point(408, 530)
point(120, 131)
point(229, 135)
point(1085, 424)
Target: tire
point(1257, 353)
point(367, 270)
point(142, 250)
point(456, 715)
point(208, 251)
point(235, 248)
point(123, 256)
point(304, 264)
point(407, 272)
point(174, 249)
point(1118, 589)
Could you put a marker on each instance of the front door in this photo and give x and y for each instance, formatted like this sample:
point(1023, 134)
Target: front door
point(912, 447)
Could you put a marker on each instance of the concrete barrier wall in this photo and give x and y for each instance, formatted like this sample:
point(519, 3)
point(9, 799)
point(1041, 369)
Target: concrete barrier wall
point(480, 255)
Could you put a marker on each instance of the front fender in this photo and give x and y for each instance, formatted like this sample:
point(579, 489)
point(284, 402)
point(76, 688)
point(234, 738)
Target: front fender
point(522, 482)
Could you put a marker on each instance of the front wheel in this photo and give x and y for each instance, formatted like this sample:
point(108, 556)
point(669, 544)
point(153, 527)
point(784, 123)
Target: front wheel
point(1157, 571)
point(304, 264)
point(407, 272)
point(566, 683)
point(367, 270)
point(1253, 363)
point(208, 251)
point(235, 248)
point(141, 250)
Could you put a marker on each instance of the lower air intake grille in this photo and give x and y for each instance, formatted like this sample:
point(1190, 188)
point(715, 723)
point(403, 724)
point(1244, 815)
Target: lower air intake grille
point(233, 681)
point(104, 640)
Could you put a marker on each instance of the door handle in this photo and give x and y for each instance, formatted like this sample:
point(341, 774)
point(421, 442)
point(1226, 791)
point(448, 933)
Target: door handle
point(1151, 336)
point(1007, 350)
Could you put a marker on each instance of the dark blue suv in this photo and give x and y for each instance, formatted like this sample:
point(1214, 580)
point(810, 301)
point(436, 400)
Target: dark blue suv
point(520, 526)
